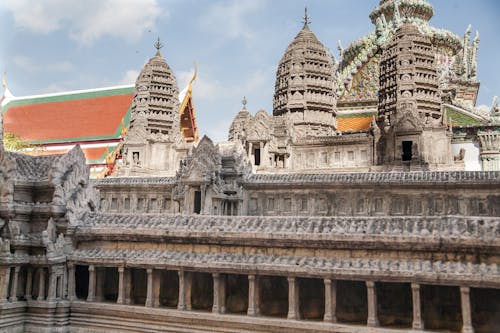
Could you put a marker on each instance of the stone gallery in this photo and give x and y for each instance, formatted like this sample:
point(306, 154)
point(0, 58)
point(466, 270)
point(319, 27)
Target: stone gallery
point(353, 207)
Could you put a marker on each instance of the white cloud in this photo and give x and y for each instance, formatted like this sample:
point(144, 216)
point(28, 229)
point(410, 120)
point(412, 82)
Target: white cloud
point(228, 18)
point(31, 65)
point(205, 87)
point(53, 88)
point(129, 77)
point(87, 21)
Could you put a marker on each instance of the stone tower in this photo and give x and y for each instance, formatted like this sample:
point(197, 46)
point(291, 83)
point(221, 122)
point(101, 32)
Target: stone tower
point(304, 86)
point(153, 137)
point(409, 109)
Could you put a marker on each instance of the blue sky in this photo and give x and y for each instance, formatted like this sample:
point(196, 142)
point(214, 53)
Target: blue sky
point(60, 45)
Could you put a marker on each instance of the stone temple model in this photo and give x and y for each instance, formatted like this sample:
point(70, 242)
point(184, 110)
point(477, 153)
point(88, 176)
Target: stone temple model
point(303, 221)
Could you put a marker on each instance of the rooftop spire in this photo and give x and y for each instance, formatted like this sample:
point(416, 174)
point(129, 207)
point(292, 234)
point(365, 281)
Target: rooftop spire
point(306, 19)
point(244, 103)
point(158, 46)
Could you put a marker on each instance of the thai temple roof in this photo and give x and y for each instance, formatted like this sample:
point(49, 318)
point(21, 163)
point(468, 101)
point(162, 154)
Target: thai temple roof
point(85, 115)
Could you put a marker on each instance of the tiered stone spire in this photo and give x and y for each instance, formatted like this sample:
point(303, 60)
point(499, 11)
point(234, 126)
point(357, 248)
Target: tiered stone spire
point(150, 144)
point(304, 82)
point(409, 80)
point(409, 108)
point(156, 102)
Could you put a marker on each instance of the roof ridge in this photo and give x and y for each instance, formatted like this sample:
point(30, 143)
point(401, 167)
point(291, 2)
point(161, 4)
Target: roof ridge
point(71, 92)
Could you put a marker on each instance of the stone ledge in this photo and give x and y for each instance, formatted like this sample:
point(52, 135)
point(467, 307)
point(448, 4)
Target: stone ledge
point(108, 317)
point(410, 232)
point(377, 178)
point(422, 271)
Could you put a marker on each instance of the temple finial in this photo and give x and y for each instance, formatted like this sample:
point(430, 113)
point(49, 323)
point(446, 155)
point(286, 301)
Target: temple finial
point(158, 46)
point(4, 80)
point(244, 102)
point(306, 20)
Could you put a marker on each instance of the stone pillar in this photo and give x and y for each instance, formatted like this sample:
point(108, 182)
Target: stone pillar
point(293, 298)
point(4, 287)
point(253, 295)
point(13, 289)
point(150, 292)
point(466, 310)
point(71, 282)
point(223, 293)
point(203, 190)
point(184, 291)
point(121, 286)
point(92, 278)
point(216, 294)
point(41, 284)
point(330, 300)
point(418, 323)
point(99, 284)
point(157, 288)
point(372, 304)
point(52, 284)
point(29, 283)
point(128, 285)
point(188, 284)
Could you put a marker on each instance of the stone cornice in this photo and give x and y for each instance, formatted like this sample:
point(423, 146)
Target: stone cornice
point(378, 178)
point(422, 271)
point(446, 233)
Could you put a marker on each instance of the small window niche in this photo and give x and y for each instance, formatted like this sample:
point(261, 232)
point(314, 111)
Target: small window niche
point(407, 150)
point(256, 155)
point(197, 202)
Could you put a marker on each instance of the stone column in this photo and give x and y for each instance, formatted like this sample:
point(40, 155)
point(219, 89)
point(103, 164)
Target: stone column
point(418, 323)
point(330, 301)
point(4, 287)
point(121, 286)
point(223, 293)
point(71, 282)
point(92, 278)
point(41, 285)
point(293, 298)
point(188, 282)
point(184, 302)
point(99, 284)
point(216, 294)
point(29, 283)
point(203, 190)
point(253, 295)
point(128, 285)
point(372, 304)
point(13, 289)
point(157, 288)
point(150, 292)
point(52, 284)
point(466, 310)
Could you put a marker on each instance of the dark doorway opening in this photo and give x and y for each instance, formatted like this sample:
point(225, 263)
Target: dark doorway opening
point(407, 153)
point(256, 155)
point(82, 281)
point(197, 202)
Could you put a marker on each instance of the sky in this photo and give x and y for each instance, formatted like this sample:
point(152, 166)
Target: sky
point(61, 45)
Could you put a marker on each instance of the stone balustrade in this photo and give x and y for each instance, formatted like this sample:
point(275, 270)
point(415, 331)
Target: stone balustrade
point(217, 285)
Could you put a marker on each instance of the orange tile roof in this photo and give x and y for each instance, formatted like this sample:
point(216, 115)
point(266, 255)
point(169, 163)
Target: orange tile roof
point(361, 123)
point(92, 155)
point(69, 118)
